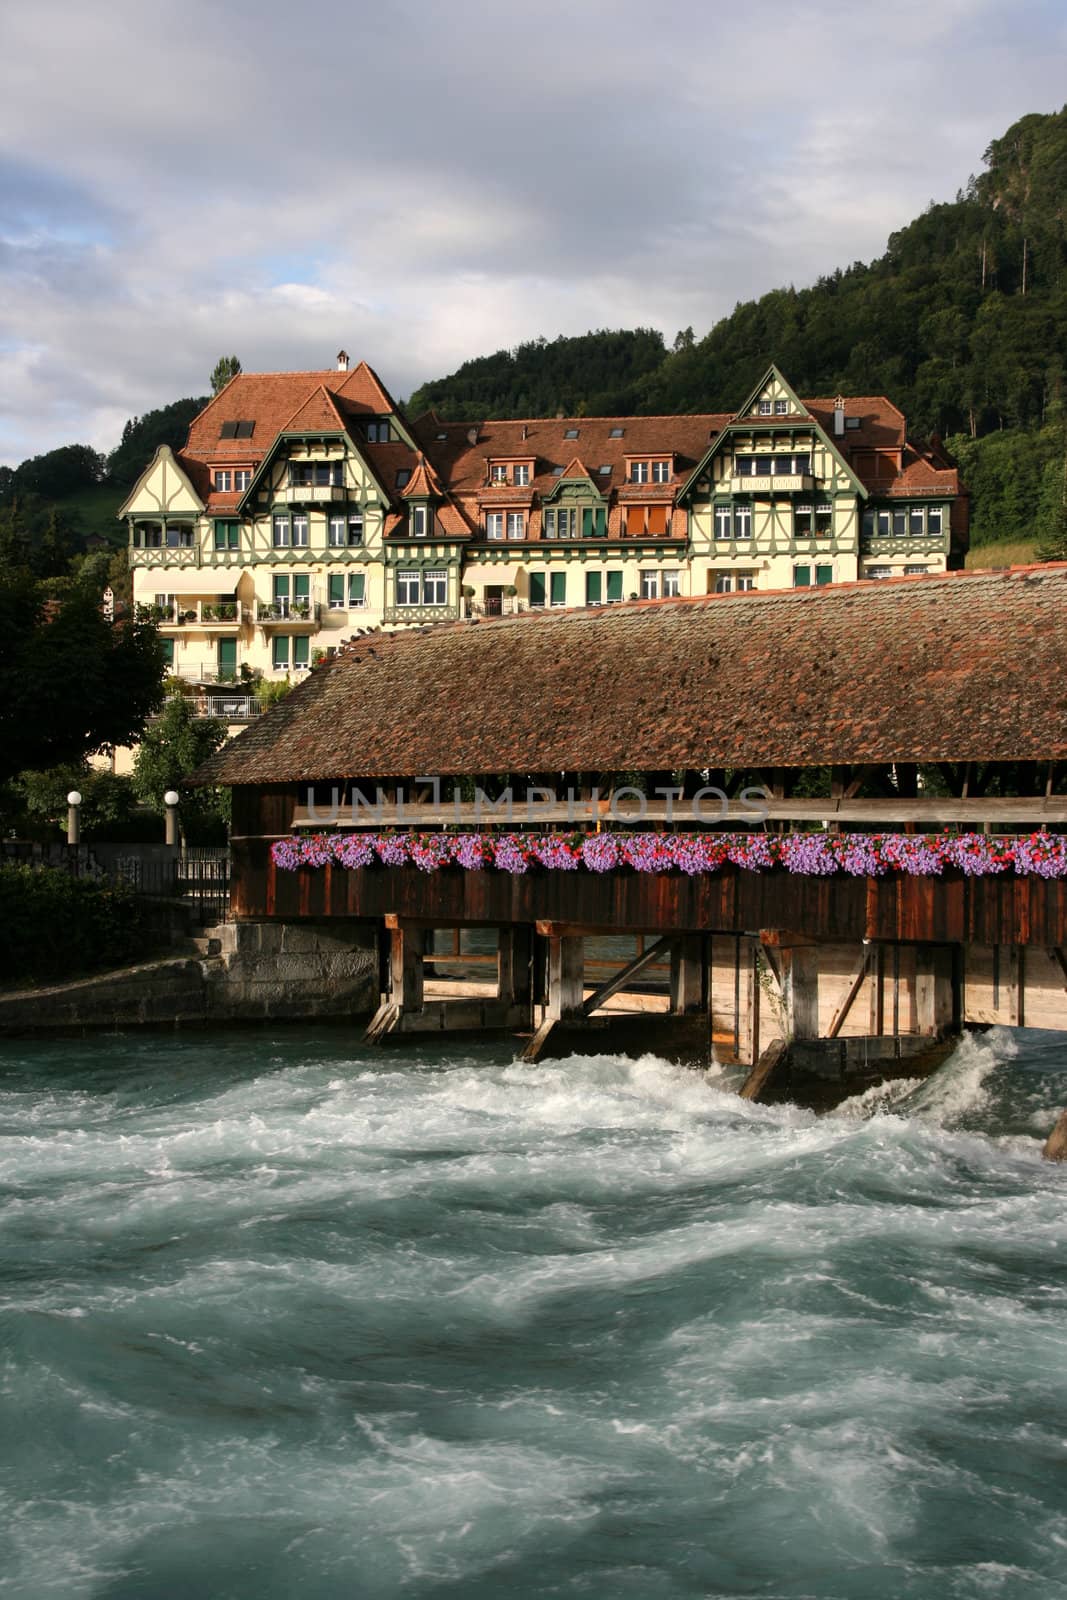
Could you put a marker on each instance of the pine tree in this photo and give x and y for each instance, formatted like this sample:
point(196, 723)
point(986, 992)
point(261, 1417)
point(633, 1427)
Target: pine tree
point(226, 367)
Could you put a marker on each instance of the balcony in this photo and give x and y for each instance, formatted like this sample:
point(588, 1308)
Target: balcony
point(505, 605)
point(234, 707)
point(294, 616)
point(214, 616)
point(313, 494)
point(773, 483)
point(186, 555)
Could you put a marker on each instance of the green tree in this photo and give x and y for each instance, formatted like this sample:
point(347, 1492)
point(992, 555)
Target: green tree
point(74, 683)
point(226, 367)
point(142, 436)
point(173, 747)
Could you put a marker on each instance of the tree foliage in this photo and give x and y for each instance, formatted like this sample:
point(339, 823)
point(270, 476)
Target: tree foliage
point(172, 748)
point(226, 367)
point(74, 683)
point(142, 436)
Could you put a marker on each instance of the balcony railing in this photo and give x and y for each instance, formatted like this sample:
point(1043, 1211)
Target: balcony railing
point(227, 707)
point(165, 556)
point(288, 613)
point(223, 616)
point(507, 605)
point(315, 494)
point(772, 483)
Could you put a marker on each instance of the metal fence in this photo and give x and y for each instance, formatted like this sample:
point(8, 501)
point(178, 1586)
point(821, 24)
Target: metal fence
point(198, 875)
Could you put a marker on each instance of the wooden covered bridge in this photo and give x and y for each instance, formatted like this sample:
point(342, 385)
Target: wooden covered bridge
point(454, 778)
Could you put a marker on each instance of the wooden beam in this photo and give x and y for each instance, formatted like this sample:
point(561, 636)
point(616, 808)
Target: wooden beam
point(639, 962)
point(855, 985)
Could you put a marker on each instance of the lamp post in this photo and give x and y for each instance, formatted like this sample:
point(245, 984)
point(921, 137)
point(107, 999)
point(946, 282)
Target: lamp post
point(170, 800)
point(74, 817)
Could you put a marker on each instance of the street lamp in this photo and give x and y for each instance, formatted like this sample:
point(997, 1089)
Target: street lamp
point(74, 829)
point(170, 800)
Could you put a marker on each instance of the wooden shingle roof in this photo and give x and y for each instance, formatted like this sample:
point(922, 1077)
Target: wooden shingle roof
point(955, 667)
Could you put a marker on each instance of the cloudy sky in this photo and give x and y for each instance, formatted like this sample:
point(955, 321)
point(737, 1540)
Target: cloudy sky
point(423, 182)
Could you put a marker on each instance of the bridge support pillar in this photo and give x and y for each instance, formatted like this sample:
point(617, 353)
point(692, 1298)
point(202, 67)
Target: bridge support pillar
point(513, 965)
point(800, 989)
point(566, 975)
point(937, 989)
point(689, 974)
point(407, 947)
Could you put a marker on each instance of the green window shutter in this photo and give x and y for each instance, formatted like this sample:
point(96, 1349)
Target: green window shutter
point(559, 588)
point(281, 589)
point(824, 575)
point(592, 588)
point(357, 588)
point(336, 589)
point(587, 522)
point(537, 588)
point(302, 586)
point(168, 652)
point(227, 658)
point(600, 522)
point(801, 577)
point(227, 535)
point(614, 585)
point(301, 651)
point(280, 650)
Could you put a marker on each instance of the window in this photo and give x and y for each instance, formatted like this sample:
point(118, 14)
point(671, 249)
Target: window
point(435, 588)
point(671, 583)
point(593, 584)
point(520, 475)
point(914, 572)
point(227, 535)
point(335, 591)
point(337, 532)
point(604, 471)
point(378, 432)
point(764, 408)
point(878, 572)
point(314, 474)
point(417, 522)
point(616, 433)
point(824, 519)
point(302, 650)
point(650, 586)
point(731, 582)
point(594, 522)
point(746, 581)
point(724, 582)
point(357, 590)
point(149, 537)
point(300, 529)
point(226, 659)
point(795, 465)
point(494, 524)
point(900, 521)
point(647, 521)
point(639, 472)
point(403, 477)
point(242, 478)
point(498, 474)
point(661, 472)
point(236, 430)
point(933, 520)
point(869, 523)
point(280, 651)
point(558, 589)
point(570, 433)
point(561, 523)
point(824, 575)
point(537, 589)
point(733, 520)
point(885, 523)
point(781, 407)
point(557, 472)
point(168, 652)
point(916, 520)
point(802, 522)
point(801, 577)
point(224, 481)
point(407, 588)
point(355, 527)
point(852, 422)
point(179, 536)
point(428, 589)
point(281, 533)
point(614, 587)
point(280, 591)
point(516, 525)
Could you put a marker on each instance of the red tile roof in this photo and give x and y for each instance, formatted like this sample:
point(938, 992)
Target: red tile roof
point(954, 667)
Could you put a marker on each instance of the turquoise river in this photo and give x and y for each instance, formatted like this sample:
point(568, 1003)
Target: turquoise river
point(282, 1318)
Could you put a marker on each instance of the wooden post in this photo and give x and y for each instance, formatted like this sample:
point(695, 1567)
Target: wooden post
point(689, 987)
point(406, 946)
point(800, 986)
point(566, 973)
point(513, 969)
point(936, 1005)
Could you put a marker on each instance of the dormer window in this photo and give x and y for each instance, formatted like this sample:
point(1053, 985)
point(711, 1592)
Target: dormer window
point(223, 481)
point(242, 478)
point(781, 408)
point(379, 432)
point(403, 477)
point(498, 474)
point(616, 433)
point(417, 522)
point(764, 408)
point(521, 474)
point(650, 471)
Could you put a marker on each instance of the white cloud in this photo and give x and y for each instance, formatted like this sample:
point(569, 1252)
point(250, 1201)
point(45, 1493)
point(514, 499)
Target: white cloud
point(425, 183)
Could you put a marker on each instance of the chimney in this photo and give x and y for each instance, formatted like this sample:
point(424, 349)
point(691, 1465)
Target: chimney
point(472, 435)
point(525, 430)
point(839, 417)
point(342, 360)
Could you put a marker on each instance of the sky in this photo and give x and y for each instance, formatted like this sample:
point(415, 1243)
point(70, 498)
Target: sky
point(422, 182)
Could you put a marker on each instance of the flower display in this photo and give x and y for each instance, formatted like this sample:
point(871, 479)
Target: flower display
point(855, 855)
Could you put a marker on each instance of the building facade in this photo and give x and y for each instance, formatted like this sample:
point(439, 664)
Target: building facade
point(305, 506)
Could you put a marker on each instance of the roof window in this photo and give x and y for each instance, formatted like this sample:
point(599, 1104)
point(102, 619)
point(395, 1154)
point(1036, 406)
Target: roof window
point(853, 422)
point(616, 433)
point(557, 472)
point(441, 436)
point(570, 433)
point(403, 477)
point(236, 430)
point(604, 471)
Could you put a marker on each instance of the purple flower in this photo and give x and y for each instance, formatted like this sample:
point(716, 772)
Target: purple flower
point(354, 850)
point(600, 852)
point(392, 849)
point(512, 852)
point(556, 853)
point(430, 851)
point(468, 850)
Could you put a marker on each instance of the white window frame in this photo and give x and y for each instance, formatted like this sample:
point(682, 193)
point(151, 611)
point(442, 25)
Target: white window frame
point(649, 584)
point(932, 527)
point(516, 525)
point(746, 581)
point(435, 587)
point(724, 583)
point(639, 472)
point(408, 588)
point(661, 472)
point(299, 527)
point(331, 603)
point(521, 475)
point(498, 474)
point(417, 522)
point(494, 525)
point(764, 408)
point(670, 582)
point(337, 532)
point(280, 531)
point(223, 480)
point(355, 524)
point(241, 479)
point(781, 408)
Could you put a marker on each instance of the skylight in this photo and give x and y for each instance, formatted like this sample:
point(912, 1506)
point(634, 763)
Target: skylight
point(570, 433)
point(616, 433)
point(442, 436)
point(236, 430)
point(557, 472)
point(403, 476)
point(604, 471)
point(853, 422)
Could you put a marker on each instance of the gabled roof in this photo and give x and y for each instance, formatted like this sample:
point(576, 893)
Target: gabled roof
point(316, 414)
point(363, 391)
point(424, 484)
point(772, 375)
point(180, 467)
point(956, 667)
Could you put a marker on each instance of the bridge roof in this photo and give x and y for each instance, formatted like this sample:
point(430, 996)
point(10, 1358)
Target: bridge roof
point(956, 667)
